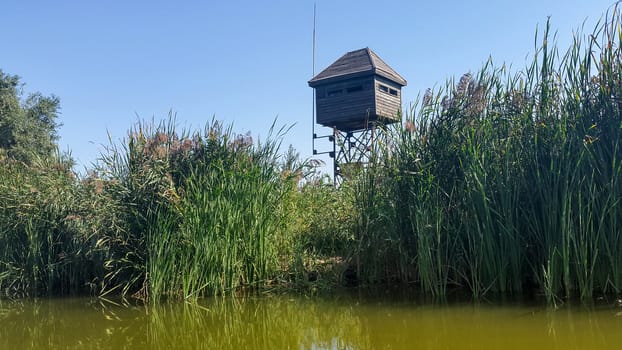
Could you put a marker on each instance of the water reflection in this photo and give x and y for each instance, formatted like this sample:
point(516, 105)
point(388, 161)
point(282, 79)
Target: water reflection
point(252, 323)
point(286, 322)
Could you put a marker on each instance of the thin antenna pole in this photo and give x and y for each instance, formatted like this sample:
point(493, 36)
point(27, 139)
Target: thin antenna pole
point(314, 39)
point(313, 75)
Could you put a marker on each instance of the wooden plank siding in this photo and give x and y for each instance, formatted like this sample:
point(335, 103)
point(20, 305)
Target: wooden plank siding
point(355, 100)
point(388, 105)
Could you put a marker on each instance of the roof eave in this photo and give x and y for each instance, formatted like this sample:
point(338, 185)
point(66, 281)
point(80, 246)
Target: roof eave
point(401, 81)
point(328, 80)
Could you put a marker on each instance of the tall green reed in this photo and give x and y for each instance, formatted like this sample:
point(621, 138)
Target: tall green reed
point(44, 238)
point(202, 213)
point(506, 181)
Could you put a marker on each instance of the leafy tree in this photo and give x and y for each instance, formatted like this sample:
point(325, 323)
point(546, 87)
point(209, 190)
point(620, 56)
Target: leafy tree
point(27, 125)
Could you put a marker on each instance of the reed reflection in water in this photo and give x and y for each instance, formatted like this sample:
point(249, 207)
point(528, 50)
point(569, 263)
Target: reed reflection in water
point(294, 322)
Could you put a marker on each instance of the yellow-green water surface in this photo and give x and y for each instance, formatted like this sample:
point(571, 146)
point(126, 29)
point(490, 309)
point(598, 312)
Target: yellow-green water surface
point(286, 322)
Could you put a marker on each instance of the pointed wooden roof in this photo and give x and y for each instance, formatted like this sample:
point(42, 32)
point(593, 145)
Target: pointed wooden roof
point(355, 63)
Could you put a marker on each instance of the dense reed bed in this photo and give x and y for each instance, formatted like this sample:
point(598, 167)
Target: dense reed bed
point(506, 181)
point(45, 243)
point(205, 211)
point(502, 182)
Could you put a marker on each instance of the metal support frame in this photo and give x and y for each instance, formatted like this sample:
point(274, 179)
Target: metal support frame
point(351, 150)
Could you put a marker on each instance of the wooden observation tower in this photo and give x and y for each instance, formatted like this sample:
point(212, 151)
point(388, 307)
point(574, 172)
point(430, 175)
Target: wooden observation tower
point(355, 96)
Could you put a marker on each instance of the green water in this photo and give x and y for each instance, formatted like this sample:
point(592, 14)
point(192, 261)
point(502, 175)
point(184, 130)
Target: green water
point(286, 322)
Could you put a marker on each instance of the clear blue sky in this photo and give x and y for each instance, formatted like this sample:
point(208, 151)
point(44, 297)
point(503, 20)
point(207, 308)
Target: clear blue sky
point(247, 62)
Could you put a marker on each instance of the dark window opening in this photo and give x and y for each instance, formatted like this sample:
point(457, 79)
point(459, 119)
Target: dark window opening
point(332, 93)
point(355, 89)
point(387, 90)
